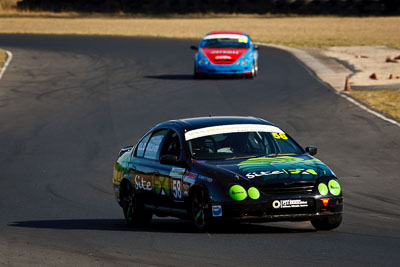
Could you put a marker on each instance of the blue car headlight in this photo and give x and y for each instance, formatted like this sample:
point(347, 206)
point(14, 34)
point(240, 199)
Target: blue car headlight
point(245, 59)
point(204, 62)
point(242, 62)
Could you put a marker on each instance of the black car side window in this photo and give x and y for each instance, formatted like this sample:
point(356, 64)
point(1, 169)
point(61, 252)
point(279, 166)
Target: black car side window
point(172, 145)
point(153, 146)
point(142, 145)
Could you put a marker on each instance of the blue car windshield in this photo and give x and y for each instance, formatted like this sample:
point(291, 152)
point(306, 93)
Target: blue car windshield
point(224, 43)
point(242, 145)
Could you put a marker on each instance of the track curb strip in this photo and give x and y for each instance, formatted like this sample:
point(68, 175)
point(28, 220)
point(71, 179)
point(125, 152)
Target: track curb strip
point(9, 58)
point(319, 71)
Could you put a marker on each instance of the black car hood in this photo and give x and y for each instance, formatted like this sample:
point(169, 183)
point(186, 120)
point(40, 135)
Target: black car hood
point(270, 170)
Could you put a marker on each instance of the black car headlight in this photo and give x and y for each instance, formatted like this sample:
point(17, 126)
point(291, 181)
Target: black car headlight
point(329, 186)
point(323, 189)
point(239, 193)
point(334, 187)
point(253, 193)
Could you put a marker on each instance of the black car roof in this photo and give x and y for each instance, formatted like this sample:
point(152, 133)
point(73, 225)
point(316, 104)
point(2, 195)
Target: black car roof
point(201, 122)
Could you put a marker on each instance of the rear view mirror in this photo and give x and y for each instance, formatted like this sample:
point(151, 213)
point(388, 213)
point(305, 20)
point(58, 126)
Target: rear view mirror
point(193, 47)
point(312, 150)
point(255, 47)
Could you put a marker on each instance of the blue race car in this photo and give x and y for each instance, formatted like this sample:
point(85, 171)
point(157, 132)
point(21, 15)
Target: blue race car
point(226, 53)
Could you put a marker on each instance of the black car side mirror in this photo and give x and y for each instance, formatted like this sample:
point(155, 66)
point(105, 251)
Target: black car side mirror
point(124, 150)
point(193, 47)
point(255, 47)
point(169, 160)
point(312, 150)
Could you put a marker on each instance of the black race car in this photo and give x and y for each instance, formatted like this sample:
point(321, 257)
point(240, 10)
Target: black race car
point(225, 168)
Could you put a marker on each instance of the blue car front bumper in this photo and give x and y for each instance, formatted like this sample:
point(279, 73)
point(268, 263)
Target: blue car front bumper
point(223, 69)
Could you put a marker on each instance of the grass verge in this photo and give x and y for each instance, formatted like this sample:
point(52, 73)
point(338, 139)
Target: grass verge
point(290, 31)
point(3, 58)
point(386, 101)
point(8, 6)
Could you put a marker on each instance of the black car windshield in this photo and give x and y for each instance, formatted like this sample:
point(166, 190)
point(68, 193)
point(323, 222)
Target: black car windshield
point(224, 43)
point(228, 146)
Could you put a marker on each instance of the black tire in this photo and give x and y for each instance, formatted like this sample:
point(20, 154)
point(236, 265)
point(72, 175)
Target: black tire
point(327, 223)
point(201, 210)
point(253, 72)
point(133, 210)
point(196, 75)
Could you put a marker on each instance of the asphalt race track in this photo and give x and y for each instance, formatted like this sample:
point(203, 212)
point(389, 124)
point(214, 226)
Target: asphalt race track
point(68, 103)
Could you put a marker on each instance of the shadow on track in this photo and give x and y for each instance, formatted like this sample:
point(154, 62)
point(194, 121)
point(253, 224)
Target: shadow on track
point(157, 225)
point(170, 77)
point(190, 77)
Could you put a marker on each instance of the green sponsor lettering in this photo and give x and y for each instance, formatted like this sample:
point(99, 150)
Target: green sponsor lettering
point(161, 184)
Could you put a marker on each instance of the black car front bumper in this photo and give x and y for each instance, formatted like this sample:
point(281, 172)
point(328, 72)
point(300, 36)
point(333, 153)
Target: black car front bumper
point(264, 211)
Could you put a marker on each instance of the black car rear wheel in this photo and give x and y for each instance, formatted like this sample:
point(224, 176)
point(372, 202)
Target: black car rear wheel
point(201, 209)
point(134, 211)
point(327, 223)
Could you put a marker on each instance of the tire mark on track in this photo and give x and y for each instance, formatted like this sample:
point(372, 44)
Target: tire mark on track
point(375, 211)
point(99, 189)
point(51, 190)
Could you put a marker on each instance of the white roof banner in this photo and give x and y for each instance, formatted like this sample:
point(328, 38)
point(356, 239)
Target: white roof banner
point(226, 36)
point(231, 128)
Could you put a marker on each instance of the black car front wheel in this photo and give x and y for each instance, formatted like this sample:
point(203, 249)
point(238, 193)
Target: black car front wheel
point(327, 223)
point(134, 211)
point(201, 209)
point(254, 71)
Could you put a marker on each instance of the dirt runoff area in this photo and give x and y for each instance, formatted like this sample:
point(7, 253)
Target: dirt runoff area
point(374, 75)
point(372, 66)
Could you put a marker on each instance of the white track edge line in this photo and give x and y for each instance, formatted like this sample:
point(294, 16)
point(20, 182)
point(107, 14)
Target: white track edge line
point(9, 58)
point(368, 109)
point(334, 90)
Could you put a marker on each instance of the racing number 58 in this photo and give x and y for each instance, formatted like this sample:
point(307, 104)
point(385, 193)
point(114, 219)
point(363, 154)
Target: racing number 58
point(279, 135)
point(176, 189)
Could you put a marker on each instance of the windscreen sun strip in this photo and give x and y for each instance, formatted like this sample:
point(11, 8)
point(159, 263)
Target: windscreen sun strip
point(232, 128)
